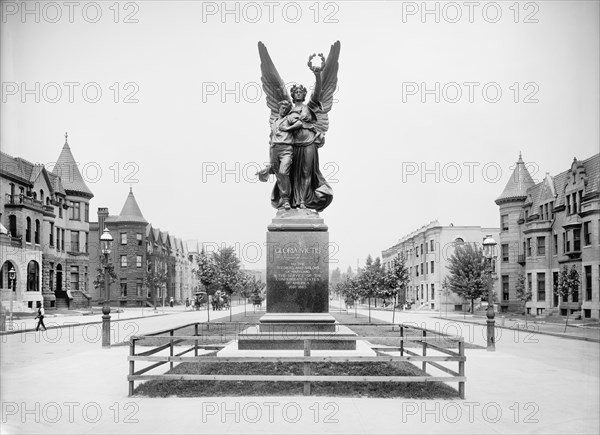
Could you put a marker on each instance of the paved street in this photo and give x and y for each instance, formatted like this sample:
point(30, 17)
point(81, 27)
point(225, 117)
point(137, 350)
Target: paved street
point(66, 383)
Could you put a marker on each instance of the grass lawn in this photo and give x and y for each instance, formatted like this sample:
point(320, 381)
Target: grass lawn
point(416, 390)
point(227, 331)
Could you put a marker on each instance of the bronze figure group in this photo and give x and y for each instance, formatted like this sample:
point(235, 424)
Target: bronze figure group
point(297, 132)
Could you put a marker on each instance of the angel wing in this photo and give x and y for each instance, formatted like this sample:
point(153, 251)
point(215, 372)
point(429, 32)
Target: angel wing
point(328, 86)
point(272, 84)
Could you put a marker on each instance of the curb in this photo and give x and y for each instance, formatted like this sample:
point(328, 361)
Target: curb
point(553, 334)
point(79, 324)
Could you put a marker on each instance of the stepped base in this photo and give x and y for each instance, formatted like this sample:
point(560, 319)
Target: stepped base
point(287, 331)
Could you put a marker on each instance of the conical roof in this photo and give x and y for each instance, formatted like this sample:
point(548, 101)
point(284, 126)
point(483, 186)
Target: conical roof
point(66, 168)
point(519, 182)
point(131, 212)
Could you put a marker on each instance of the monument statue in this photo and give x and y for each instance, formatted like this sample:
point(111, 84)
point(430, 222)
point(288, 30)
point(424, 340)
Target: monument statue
point(298, 131)
point(298, 254)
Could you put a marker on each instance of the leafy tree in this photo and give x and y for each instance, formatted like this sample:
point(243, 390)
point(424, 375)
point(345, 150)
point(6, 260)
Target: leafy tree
point(349, 289)
point(227, 271)
point(468, 275)
point(370, 280)
point(568, 284)
point(395, 279)
point(446, 292)
point(524, 295)
point(155, 280)
point(206, 272)
point(335, 277)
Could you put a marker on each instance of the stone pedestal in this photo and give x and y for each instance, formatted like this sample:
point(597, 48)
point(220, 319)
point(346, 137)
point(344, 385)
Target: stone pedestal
point(297, 263)
point(297, 287)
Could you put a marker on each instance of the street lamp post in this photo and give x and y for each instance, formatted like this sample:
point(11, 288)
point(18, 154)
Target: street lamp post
point(106, 242)
point(12, 276)
point(489, 251)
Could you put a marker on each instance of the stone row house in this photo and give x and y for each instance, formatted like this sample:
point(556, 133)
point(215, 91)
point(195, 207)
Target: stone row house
point(545, 226)
point(427, 251)
point(44, 234)
point(151, 265)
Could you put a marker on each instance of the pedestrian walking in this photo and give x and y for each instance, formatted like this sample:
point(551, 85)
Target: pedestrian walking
point(171, 302)
point(40, 317)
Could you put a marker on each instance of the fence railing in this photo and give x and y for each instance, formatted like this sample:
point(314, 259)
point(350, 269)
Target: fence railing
point(407, 334)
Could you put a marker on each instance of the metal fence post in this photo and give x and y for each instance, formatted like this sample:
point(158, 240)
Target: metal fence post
point(196, 343)
point(461, 368)
point(402, 340)
point(171, 348)
point(307, 367)
point(424, 349)
point(131, 364)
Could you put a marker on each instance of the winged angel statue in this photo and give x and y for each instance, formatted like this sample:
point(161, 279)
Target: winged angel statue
point(298, 131)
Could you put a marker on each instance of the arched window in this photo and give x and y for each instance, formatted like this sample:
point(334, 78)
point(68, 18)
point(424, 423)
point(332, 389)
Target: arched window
point(12, 225)
point(5, 281)
point(28, 231)
point(33, 276)
point(41, 194)
point(47, 200)
point(58, 277)
point(37, 232)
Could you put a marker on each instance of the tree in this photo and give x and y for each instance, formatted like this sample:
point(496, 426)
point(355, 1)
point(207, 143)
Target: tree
point(349, 289)
point(568, 284)
point(524, 295)
point(395, 279)
point(246, 286)
point(206, 274)
point(227, 268)
point(335, 277)
point(206, 271)
point(370, 280)
point(255, 287)
point(155, 280)
point(468, 277)
point(446, 292)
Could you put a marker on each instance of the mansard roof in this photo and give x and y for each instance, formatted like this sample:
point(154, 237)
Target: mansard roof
point(66, 168)
point(16, 167)
point(519, 182)
point(556, 186)
point(131, 212)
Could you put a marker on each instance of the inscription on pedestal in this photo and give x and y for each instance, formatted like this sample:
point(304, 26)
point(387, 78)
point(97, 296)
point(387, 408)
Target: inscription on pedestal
point(297, 272)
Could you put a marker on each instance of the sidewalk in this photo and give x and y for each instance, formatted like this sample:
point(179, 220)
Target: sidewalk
point(76, 318)
point(534, 326)
point(545, 385)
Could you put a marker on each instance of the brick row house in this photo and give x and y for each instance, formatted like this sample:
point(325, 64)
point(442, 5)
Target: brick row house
point(545, 226)
point(151, 265)
point(427, 251)
point(44, 239)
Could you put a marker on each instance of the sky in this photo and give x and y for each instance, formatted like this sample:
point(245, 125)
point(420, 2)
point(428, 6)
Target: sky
point(435, 101)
